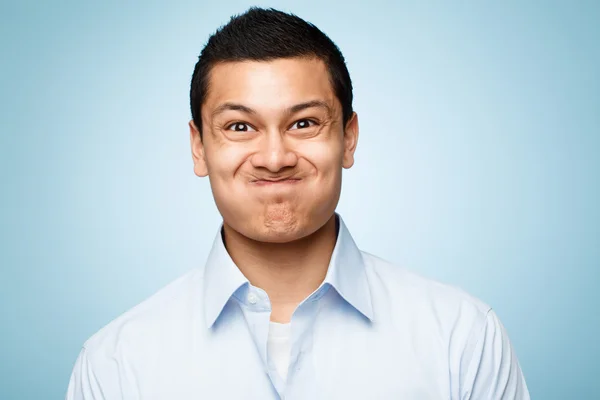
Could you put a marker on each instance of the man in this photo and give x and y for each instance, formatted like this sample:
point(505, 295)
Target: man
point(287, 306)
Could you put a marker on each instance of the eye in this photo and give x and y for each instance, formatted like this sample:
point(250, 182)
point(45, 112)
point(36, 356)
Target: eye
point(240, 127)
point(303, 124)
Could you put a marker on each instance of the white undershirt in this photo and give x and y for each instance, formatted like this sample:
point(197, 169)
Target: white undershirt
point(279, 347)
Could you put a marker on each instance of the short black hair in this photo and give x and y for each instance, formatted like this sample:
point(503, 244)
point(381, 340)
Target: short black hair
point(267, 34)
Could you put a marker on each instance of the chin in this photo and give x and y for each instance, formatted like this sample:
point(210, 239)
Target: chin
point(277, 223)
point(280, 228)
point(284, 235)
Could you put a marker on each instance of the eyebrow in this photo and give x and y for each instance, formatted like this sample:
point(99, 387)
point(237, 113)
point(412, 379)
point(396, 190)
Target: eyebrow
point(290, 110)
point(232, 107)
point(310, 104)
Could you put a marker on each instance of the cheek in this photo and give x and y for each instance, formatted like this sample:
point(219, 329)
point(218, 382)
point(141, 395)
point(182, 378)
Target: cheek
point(223, 165)
point(325, 159)
point(326, 165)
point(222, 161)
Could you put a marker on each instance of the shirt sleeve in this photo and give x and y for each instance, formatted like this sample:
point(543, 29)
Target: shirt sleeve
point(494, 372)
point(84, 383)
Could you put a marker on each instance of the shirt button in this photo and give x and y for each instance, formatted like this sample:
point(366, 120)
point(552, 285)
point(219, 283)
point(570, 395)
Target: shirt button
point(252, 299)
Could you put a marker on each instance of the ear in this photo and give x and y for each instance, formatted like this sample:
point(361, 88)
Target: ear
point(200, 168)
point(350, 141)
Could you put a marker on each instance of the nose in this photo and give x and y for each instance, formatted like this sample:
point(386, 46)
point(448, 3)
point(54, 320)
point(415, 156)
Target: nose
point(274, 153)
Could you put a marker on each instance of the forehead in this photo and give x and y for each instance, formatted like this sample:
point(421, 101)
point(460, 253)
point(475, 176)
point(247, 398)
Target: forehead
point(269, 84)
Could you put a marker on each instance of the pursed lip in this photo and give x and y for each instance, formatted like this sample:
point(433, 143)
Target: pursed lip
point(280, 181)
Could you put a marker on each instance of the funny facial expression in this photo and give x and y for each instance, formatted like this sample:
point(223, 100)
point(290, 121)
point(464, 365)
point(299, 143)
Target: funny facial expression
point(273, 146)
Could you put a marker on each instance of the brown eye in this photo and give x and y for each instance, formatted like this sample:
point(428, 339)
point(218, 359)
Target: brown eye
point(303, 124)
point(240, 127)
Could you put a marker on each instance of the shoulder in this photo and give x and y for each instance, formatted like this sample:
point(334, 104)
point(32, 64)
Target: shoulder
point(400, 291)
point(160, 315)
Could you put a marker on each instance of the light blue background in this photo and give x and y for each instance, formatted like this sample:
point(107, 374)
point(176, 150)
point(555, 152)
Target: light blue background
point(478, 165)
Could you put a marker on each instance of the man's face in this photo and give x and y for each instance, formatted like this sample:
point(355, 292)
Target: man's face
point(273, 146)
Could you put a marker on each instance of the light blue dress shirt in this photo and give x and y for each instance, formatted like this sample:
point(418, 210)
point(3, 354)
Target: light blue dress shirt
point(372, 330)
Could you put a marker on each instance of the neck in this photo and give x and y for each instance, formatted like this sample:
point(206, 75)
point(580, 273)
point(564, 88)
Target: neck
point(287, 272)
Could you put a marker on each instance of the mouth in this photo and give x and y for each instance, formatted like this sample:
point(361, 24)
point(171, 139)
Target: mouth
point(272, 182)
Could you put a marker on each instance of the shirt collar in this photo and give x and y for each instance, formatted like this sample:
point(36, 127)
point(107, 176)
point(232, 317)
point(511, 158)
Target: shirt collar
point(346, 274)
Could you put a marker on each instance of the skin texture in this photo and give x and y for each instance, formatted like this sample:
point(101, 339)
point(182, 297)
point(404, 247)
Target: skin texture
point(273, 146)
